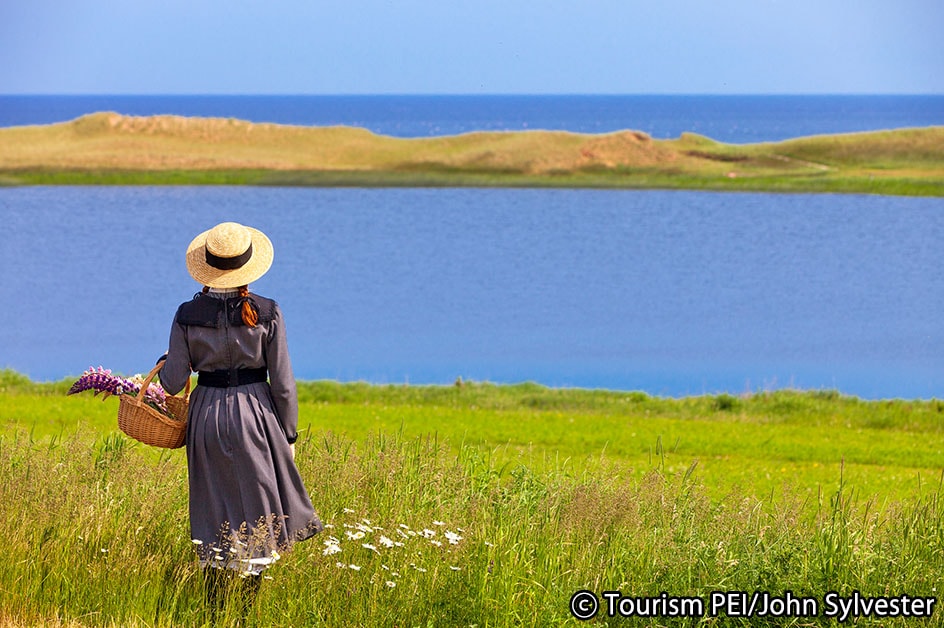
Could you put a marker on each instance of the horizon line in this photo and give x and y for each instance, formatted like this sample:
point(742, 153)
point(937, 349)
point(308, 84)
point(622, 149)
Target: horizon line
point(469, 94)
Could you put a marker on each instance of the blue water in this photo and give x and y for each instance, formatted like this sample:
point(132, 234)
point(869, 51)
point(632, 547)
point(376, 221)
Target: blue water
point(735, 119)
point(673, 293)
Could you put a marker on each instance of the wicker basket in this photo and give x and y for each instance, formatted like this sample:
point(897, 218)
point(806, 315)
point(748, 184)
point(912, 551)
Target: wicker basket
point(145, 424)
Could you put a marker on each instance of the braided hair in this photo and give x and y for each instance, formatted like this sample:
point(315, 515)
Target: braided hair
point(249, 314)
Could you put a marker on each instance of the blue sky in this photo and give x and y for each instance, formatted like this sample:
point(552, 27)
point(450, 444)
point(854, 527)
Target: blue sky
point(478, 46)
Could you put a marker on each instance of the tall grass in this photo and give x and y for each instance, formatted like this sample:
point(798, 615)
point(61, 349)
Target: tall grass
point(754, 442)
point(96, 535)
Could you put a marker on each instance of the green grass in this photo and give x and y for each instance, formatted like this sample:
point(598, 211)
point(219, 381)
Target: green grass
point(758, 442)
point(552, 491)
point(616, 179)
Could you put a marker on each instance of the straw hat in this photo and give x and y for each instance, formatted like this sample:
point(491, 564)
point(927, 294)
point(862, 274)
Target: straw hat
point(229, 255)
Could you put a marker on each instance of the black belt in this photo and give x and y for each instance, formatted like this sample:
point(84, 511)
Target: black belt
point(231, 378)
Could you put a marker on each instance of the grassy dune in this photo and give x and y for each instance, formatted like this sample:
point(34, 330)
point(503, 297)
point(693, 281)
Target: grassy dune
point(552, 491)
point(108, 148)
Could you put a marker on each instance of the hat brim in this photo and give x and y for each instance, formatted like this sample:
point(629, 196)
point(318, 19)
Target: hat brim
point(256, 267)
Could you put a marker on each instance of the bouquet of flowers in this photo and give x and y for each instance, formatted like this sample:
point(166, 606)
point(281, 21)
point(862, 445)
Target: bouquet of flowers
point(102, 381)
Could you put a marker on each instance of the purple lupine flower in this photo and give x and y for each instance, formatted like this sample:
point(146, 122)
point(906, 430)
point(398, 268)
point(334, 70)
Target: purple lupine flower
point(101, 380)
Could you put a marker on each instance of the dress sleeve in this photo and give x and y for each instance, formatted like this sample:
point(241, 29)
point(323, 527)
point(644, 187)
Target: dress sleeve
point(281, 378)
point(176, 369)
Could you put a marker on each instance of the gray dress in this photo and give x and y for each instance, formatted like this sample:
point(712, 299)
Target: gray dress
point(247, 499)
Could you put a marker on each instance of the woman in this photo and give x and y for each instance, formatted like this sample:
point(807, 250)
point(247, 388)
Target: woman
point(247, 499)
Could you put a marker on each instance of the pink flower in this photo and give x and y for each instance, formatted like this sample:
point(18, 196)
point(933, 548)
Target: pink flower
point(102, 381)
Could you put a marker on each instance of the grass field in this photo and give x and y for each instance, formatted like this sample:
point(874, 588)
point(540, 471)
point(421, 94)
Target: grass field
point(107, 148)
point(551, 491)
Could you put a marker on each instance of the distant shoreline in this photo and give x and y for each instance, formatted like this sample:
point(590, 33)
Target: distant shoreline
point(112, 149)
point(732, 119)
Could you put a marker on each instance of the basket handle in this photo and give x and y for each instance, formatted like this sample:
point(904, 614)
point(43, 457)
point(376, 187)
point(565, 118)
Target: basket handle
point(147, 380)
point(150, 376)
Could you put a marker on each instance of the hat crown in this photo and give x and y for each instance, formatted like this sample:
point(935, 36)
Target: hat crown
point(229, 255)
point(228, 239)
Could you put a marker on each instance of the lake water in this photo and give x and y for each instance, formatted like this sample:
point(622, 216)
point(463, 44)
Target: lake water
point(673, 293)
